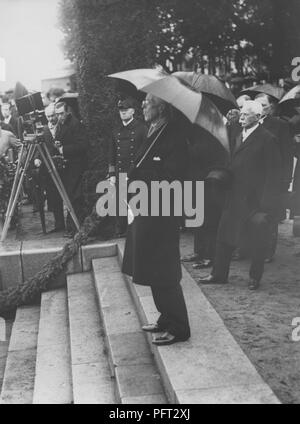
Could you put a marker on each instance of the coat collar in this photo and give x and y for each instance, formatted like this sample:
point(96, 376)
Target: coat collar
point(154, 137)
point(239, 145)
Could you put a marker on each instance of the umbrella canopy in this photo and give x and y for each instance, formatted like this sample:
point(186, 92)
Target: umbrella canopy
point(269, 89)
point(292, 97)
point(195, 106)
point(215, 89)
point(140, 77)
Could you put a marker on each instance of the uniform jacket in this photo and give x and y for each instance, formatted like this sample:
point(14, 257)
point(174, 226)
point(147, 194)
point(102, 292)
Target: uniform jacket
point(75, 144)
point(256, 166)
point(151, 254)
point(124, 145)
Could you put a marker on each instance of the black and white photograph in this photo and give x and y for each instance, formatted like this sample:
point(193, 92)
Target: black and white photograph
point(149, 204)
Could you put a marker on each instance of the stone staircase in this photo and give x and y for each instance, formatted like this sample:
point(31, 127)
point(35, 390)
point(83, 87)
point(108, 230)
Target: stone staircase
point(84, 344)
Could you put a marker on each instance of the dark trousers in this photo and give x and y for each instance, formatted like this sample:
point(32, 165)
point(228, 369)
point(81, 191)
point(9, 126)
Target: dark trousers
point(55, 203)
point(258, 230)
point(273, 239)
point(169, 301)
point(121, 221)
point(205, 237)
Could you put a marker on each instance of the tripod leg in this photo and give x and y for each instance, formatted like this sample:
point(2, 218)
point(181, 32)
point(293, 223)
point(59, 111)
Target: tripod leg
point(14, 196)
point(15, 183)
point(47, 159)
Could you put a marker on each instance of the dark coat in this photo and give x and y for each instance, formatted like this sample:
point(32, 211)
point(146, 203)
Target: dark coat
point(295, 126)
point(281, 130)
point(75, 144)
point(151, 254)
point(124, 145)
point(13, 123)
point(205, 154)
point(256, 166)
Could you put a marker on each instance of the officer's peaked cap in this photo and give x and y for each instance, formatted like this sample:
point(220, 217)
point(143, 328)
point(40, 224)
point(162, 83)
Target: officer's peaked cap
point(126, 103)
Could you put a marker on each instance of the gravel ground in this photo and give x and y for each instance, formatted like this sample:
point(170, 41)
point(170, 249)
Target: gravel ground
point(261, 321)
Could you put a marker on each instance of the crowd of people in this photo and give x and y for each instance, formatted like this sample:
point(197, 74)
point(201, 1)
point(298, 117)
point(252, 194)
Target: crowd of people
point(246, 189)
point(246, 196)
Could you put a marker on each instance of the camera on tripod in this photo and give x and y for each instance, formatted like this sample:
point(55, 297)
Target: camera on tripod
point(31, 109)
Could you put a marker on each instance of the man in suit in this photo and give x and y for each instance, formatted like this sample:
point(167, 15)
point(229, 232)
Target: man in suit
point(8, 118)
point(126, 140)
point(205, 154)
point(54, 200)
point(151, 254)
point(252, 202)
point(71, 142)
point(281, 130)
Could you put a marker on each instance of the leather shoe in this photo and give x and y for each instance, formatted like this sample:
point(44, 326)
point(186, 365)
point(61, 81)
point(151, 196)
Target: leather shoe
point(190, 258)
point(152, 328)
point(269, 260)
point(204, 263)
point(167, 339)
point(253, 284)
point(69, 234)
point(211, 280)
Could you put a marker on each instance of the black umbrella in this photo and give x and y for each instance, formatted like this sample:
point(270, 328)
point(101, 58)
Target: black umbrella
point(292, 97)
point(269, 89)
point(212, 87)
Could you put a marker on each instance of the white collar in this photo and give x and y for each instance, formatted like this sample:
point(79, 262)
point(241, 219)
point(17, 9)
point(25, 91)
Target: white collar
point(128, 122)
point(248, 131)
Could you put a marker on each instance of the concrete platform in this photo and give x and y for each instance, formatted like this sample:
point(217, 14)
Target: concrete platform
point(210, 367)
point(19, 261)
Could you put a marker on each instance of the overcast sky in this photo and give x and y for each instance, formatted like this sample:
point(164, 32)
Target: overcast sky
point(29, 41)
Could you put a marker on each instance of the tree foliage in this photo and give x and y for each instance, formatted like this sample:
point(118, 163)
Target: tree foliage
point(256, 37)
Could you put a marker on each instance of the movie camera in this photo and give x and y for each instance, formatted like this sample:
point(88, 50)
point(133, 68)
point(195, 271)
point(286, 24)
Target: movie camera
point(31, 133)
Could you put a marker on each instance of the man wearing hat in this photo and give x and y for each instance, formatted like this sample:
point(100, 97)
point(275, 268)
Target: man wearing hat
point(125, 143)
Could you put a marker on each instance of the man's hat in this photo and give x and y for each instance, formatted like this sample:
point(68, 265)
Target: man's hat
point(126, 103)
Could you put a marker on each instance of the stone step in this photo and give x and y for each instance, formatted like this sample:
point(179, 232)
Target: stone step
point(18, 381)
point(131, 362)
point(5, 332)
point(53, 380)
point(92, 382)
point(210, 367)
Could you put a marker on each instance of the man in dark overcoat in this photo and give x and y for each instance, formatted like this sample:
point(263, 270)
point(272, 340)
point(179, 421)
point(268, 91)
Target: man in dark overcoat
point(281, 130)
point(252, 202)
point(205, 154)
point(126, 141)
point(152, 254)
point(71, 141)
point(54, 200)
